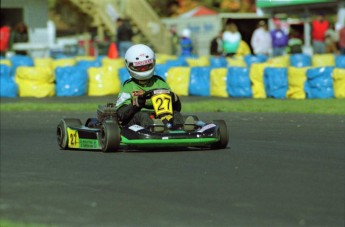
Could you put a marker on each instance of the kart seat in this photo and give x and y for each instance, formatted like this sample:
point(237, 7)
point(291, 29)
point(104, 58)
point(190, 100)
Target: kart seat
point(189, 124)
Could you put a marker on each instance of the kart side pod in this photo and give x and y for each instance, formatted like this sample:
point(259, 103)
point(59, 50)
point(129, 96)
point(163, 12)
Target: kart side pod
point(63, 138)
point(71, 134)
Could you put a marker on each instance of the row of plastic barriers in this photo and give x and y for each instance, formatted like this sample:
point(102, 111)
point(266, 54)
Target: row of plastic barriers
point(292, 76)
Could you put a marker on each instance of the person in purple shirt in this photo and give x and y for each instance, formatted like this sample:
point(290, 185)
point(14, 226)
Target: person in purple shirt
point(279, 40)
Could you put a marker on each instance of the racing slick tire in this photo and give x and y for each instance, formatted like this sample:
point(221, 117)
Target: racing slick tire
point(61, 132)
point(223, 135)
point(110, 136)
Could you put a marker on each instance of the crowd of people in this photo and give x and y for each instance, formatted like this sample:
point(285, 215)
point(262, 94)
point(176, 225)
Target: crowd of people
point(228, 42)
point(278, 41)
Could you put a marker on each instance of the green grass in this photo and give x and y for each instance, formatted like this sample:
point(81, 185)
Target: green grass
point(7, 223)
point(308, 106)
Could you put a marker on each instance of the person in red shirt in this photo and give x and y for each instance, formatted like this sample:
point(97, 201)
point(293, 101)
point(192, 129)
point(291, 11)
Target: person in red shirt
point(5, 32)
point(319, 28)
point(342, 40)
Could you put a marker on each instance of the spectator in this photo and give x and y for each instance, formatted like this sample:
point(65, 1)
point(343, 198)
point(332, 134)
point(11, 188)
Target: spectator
point(20, 35)
point(342, 40)
point(231, 40)
point(186, 43)
point(5, 34)
point(261, 40)
point(174, 40)
point(319, 28)
point(124, 36)
point(331, 39)
point(216, 48)
point(295, 42)
point(279, 40)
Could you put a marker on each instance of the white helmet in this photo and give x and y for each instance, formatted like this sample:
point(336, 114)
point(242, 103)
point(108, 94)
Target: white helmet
point(140, 61)
point(186, 33)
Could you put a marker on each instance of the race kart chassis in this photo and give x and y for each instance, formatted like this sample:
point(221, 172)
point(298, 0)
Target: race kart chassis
point(106, 134)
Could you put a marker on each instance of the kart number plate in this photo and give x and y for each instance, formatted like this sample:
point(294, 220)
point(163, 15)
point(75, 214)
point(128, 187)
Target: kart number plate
point(162, 103)
point(73, 138)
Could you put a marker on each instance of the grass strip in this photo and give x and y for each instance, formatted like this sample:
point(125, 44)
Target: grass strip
point(307, 106)
point(8, 223)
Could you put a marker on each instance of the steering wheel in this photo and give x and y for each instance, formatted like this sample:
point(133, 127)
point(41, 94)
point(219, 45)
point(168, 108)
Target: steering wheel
point(148, 94)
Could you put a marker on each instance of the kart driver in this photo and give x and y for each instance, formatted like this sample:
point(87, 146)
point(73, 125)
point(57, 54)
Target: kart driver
point(130, 105)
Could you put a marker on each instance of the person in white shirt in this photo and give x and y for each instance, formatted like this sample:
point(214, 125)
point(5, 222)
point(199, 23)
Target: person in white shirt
point(261, 40)
point(231, 40)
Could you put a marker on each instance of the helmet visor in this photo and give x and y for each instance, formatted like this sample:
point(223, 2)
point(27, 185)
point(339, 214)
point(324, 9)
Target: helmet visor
point(141, 66)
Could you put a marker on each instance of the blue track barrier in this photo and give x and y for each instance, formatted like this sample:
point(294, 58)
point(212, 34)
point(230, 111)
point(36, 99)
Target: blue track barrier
point(20, 60)
point(340, 61)
point(124, 74)
point(162, 70)
point(218, 62)
point(238, 82)
point(276, 82)
point(8, 87)
point(319, 83)
point(71, 81)
point(250, 59)
point(300, 60)
point(199, 81)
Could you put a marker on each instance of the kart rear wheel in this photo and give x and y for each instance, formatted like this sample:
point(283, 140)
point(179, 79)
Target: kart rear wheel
point(61, 131)
point(110, 136)
point(223, 135)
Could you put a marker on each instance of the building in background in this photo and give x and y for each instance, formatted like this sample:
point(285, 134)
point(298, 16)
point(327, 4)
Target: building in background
point(34, 14)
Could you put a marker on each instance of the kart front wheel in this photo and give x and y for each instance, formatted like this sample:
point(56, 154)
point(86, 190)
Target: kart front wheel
point(61, 131)
point(110, 136)
point(223, 135)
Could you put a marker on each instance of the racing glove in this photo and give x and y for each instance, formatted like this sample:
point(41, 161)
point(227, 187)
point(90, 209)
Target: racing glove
point(138, 101)
point(176, 101)
point(174, 96)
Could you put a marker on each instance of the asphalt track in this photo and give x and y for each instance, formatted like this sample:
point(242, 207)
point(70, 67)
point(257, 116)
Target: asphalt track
point(279, 170)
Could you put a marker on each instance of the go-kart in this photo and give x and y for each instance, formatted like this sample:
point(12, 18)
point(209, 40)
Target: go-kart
point(105, 133)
